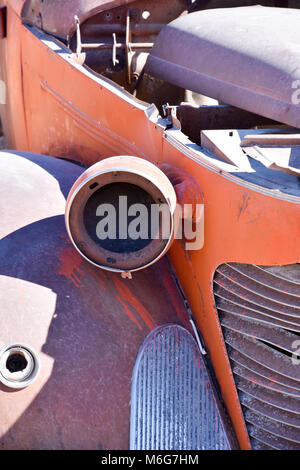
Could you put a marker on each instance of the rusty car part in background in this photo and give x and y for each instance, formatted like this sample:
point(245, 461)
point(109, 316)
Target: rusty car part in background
point(57, 17)
point(118, 45)
point(220, 66)
point(194, 119)
point(129, 31)
point(128, 46)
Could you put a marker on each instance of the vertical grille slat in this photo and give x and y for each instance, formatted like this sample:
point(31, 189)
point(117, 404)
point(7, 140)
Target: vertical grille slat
point(259, 311)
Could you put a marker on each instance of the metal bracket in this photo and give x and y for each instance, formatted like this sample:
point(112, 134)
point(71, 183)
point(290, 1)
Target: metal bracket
point(78, 35)
point(170, 112)
point(200, 345)
point(128, 50)
point(115, 61)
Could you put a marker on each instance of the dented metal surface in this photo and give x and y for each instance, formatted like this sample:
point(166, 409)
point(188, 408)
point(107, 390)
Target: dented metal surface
point(261, 351)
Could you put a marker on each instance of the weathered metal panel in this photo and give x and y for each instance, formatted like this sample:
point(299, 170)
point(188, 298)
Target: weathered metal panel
point(57, 17)
point(72, 118)
point(86, 325)
point(209, 52)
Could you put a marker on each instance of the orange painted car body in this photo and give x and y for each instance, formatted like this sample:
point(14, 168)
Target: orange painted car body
point(58, 107)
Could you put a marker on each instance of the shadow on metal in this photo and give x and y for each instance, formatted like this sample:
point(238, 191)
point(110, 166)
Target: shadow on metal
point(86, 324)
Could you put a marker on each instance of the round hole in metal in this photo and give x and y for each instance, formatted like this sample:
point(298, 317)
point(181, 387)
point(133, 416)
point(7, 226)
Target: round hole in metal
point(16, 362)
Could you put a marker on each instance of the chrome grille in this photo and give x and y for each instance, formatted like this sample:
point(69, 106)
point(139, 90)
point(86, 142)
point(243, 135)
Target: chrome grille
point(259, 311)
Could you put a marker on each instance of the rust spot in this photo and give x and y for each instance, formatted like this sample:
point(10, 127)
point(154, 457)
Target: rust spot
point(70, 262)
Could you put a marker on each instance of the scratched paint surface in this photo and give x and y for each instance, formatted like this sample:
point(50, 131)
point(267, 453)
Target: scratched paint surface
point(87, 324)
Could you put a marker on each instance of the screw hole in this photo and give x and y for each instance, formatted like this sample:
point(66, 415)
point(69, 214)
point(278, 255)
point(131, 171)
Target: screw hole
point(146, 14)
point(16, 363)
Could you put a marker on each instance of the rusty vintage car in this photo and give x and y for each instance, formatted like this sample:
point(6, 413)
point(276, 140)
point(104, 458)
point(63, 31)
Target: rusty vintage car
point(178, 103)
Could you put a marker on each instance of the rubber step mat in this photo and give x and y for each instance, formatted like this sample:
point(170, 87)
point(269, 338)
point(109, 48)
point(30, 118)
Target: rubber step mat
point(174, 405)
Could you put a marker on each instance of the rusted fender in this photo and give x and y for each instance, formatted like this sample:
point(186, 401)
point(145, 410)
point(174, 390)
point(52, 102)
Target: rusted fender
point(86, 324)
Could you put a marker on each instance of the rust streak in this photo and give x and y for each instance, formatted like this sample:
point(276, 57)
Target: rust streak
point(128, 312)
point(70, 262)
point(127, 295)
point(98, 277)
